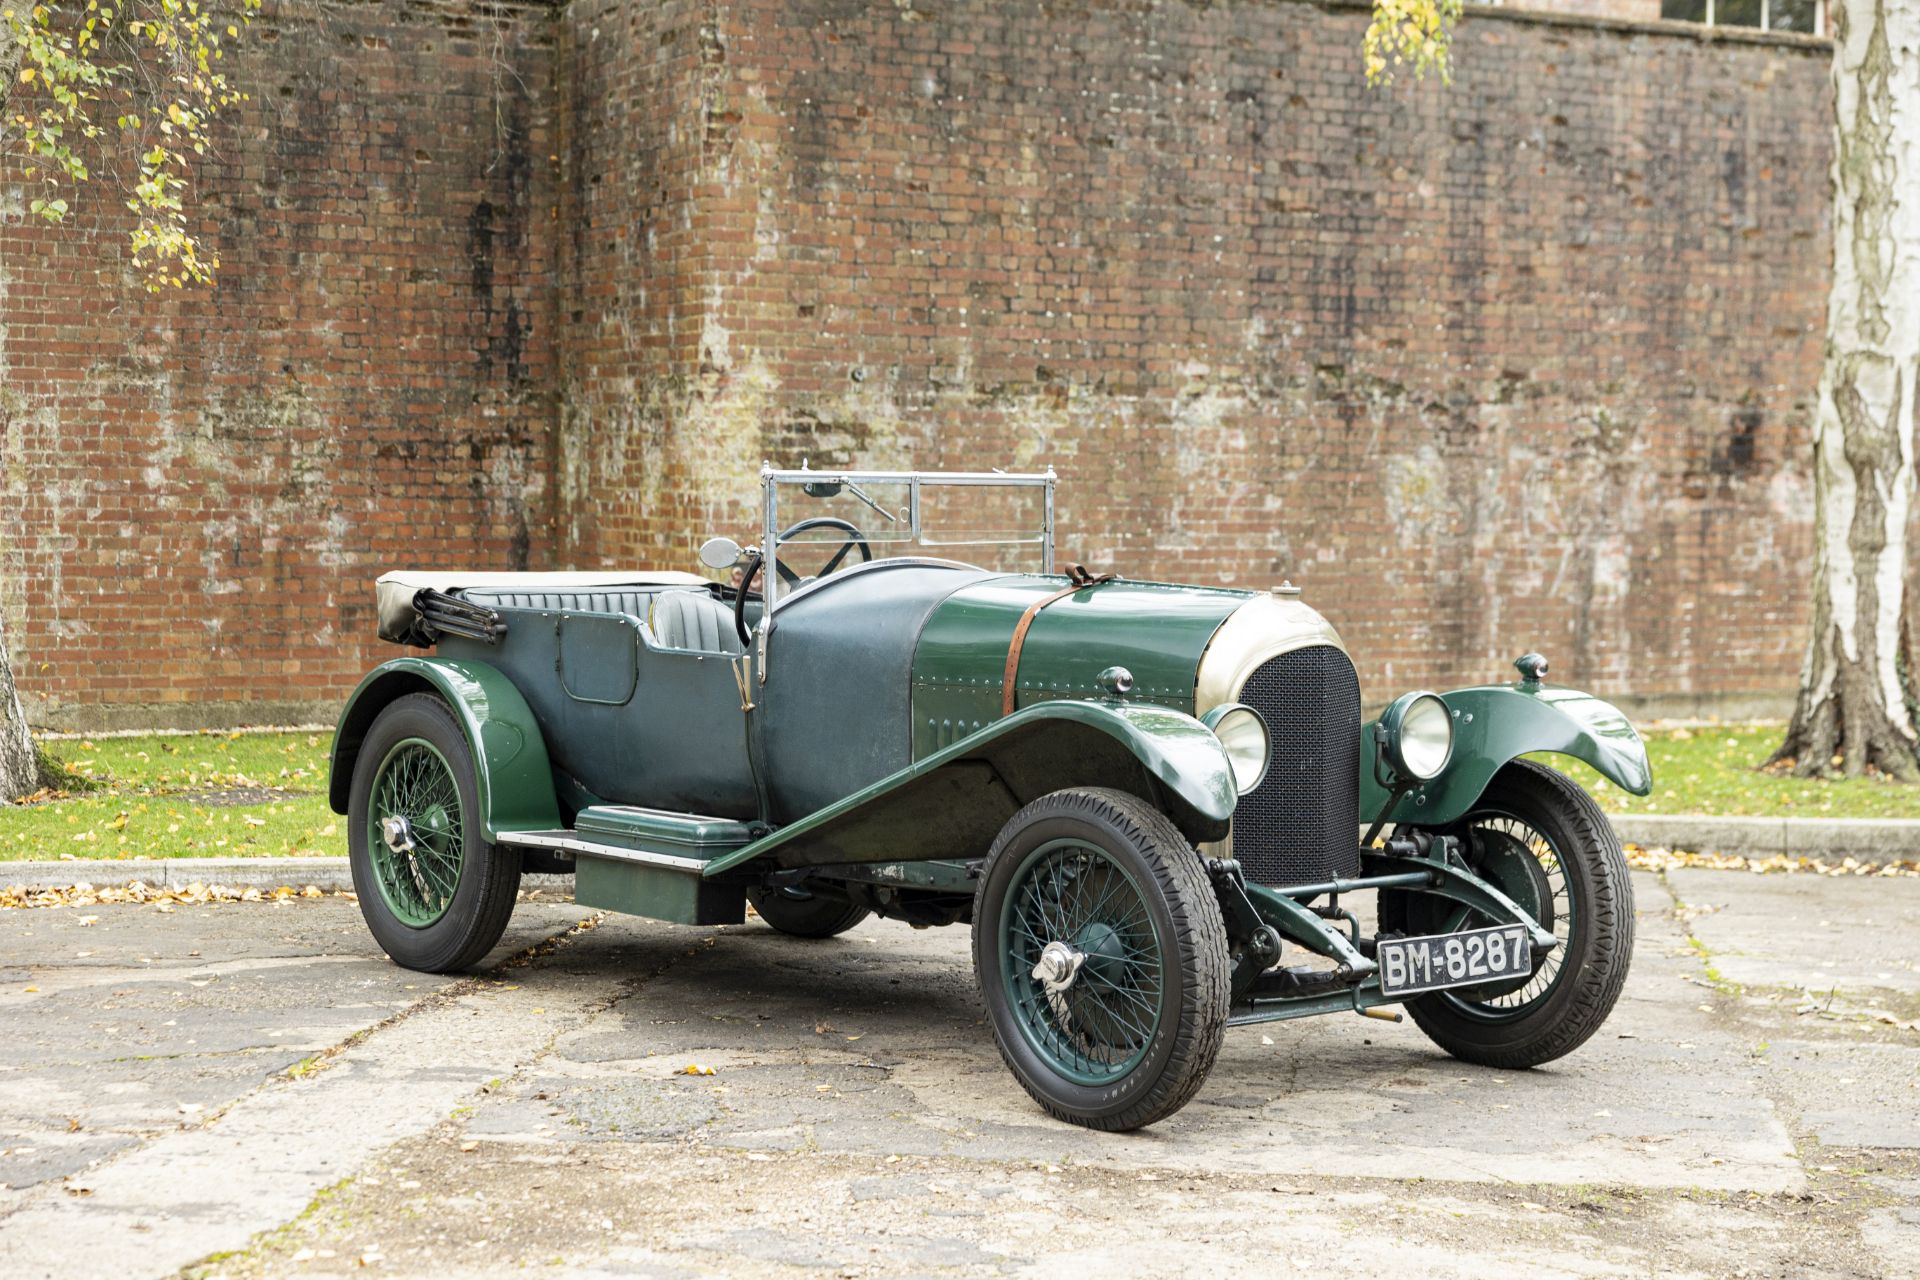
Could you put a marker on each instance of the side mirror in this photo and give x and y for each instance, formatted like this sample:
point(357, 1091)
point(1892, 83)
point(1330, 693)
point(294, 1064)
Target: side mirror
point(720, 553)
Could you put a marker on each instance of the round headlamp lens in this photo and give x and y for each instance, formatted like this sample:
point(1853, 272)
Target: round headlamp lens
point(1244, 734)
point(1426, 737)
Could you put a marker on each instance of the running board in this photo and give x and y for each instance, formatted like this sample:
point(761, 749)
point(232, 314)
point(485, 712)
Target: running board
point(639, 882)
point(568, 842)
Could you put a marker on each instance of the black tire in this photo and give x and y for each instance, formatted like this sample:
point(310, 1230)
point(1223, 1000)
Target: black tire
point(488, 876)
point(1594, 922)
point(1159, 876)
point(802, 913)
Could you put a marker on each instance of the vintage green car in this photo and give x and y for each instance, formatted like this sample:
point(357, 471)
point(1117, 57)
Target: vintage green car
point(1145, 798)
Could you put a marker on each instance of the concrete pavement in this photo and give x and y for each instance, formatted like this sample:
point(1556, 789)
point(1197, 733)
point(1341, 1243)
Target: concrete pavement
point(250, 1089)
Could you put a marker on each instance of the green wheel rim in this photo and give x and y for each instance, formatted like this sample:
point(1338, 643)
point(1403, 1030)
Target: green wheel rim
point(417, 867)
point(1564, 913)
point(1102, 1025)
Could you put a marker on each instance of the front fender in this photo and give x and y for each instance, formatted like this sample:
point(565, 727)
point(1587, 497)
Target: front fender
point(1181, 753)
point(951, 804)
point(1493, 724)
point(514, 778)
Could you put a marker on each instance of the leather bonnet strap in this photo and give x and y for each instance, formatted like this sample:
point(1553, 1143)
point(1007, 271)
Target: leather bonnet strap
point(1078, 579)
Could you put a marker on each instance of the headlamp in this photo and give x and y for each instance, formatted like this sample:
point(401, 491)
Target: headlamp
point(1244, 734)
point(1416, 736)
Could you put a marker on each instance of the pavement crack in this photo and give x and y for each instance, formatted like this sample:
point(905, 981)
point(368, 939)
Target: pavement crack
point(1726, 995)
point(473, 984)
point(317, 1062)
point(80, 1064)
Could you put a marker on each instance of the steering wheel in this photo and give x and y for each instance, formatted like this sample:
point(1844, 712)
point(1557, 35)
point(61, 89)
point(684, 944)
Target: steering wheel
point(854, 539)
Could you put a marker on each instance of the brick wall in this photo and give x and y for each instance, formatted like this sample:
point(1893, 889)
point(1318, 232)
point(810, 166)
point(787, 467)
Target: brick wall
point(638, 249)
point(1526, 362)
point(199, 488)
point(1523, 363)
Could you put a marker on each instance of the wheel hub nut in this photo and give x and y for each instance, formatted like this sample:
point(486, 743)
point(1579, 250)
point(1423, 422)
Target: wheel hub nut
point(1058, 966)
point(398, 833)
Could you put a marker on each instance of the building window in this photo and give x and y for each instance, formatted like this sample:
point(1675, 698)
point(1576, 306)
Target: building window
point(1807, 16)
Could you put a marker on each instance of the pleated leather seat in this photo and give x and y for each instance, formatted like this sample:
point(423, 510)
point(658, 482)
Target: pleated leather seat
point(693, 620)
point(677, 619)
point(626, 600)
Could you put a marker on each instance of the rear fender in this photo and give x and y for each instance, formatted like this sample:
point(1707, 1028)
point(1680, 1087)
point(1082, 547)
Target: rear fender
point(514, 778)
point(1493, 724)
point(951, 804)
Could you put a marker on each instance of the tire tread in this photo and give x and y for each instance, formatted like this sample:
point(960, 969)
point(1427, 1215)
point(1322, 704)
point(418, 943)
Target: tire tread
point(484, 918)
point(1191, 901)
point(1599, 982)
point(821, 924)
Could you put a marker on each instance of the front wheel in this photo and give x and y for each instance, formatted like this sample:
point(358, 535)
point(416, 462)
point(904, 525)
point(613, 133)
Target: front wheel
point(434, 891)
point(1102, 957)
point(1539, 838)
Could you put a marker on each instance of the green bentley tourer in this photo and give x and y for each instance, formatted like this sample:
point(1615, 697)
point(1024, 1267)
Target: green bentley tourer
point(1153, 803)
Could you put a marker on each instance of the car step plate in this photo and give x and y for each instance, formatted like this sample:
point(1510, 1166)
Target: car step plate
point(1440, 960)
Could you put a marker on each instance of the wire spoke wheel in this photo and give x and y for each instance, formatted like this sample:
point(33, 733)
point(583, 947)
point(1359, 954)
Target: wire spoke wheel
point(435, 892)
point(415, 832)
point(1523, 863)
point(1543, 842)
point(1094, 1021)
point(1102, 958)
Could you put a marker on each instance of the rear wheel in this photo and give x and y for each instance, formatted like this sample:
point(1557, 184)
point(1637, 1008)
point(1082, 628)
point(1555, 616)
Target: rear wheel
point(1100, 952)
point(803, 913)
point(1540, 839)
point(435, 893)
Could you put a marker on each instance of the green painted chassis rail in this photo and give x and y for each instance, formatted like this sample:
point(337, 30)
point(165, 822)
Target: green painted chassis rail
point(1285, 910)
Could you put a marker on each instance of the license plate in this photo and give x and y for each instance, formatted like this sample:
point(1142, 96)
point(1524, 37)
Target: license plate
point(1410, 965)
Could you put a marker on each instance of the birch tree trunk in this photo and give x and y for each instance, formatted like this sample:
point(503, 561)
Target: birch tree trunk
point(1857, 704)
point(19, 764)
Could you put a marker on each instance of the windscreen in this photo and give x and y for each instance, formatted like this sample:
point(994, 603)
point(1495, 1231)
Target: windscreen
point(831, 523)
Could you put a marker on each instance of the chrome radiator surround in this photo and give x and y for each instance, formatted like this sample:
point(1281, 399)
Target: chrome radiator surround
point(1285, 660)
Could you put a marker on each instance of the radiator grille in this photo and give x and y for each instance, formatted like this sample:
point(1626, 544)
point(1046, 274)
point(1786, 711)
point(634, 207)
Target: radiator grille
point(1301, 824)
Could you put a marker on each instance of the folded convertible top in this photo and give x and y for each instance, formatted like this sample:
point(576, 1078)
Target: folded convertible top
point(396, 592)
